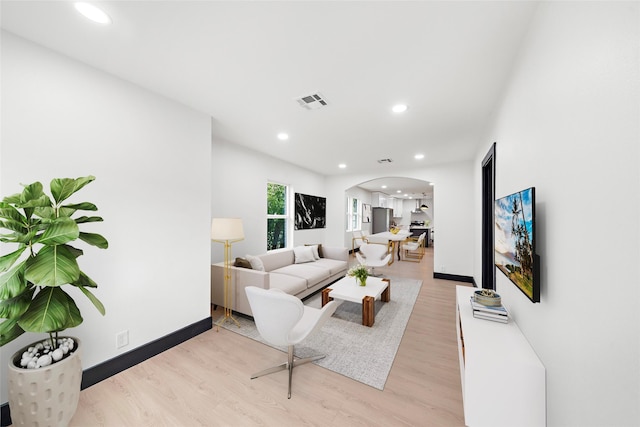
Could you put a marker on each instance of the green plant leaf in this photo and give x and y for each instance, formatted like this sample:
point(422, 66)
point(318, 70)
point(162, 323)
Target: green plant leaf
point(11, 238)
point(10, 213)
point(8, 260)
point(41, 202)
point(46, 212)
point(74, 251)
point(9, 331)
point(12, 219)
point(96, 302)
point(14, 226)
point(83, 219)
point(95, 240)
point(84, 206)
point(19, 238)
point(13, 308)
point(62, 188)
point(13, 283)
point(74, 318)
point(14, 199)
point(52, 266)
point(60, 231)
point(31, 192)
point(85, 281)
point(49, 312)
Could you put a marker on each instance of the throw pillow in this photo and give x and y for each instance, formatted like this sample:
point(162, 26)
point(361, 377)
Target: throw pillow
point(303, 254)
point(320, 254)
point(243, 263)
point(256, 263)
point(314, 250)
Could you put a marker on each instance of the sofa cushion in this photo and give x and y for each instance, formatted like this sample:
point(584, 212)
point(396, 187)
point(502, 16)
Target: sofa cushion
point(256, 263)
point(273, 260)
point(241, 262)
point(289, 284)
point(312, 274)
point(333, 265)
point(303, 254)
point(317, 250)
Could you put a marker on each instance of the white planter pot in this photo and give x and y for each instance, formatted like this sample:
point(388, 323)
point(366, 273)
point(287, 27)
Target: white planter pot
point(46, 396)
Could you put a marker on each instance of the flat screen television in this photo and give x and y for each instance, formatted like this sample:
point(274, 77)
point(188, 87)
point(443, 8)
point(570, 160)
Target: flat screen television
point(515, 241)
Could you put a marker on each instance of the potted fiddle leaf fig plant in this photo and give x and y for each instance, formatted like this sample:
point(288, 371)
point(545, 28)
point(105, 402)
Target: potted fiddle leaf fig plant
point(33, 298)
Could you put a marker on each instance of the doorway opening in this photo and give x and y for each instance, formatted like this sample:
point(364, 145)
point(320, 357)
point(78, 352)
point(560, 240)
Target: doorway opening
point(488, 199)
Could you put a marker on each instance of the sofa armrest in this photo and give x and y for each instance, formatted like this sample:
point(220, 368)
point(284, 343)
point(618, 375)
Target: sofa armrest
point(335, 252)
point(240, 279)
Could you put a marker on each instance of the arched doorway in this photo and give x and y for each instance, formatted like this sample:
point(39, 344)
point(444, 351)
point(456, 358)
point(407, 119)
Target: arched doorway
point(411, 199)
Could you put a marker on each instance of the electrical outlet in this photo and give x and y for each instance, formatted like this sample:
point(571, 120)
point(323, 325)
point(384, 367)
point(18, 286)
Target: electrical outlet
point(122, 339)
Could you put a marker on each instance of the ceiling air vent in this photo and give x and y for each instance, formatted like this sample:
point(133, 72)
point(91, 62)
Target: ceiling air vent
point(385, 161)
point(312, 102)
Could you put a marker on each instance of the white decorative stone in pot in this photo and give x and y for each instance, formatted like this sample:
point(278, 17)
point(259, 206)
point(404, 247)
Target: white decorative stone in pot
point(48, 395)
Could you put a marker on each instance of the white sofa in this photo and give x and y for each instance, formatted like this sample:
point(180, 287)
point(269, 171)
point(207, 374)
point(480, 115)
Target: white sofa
point(280, 271)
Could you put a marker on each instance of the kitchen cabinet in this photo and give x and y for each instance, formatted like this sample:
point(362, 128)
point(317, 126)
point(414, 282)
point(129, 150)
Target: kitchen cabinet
point(379, 200)
point(397, 207)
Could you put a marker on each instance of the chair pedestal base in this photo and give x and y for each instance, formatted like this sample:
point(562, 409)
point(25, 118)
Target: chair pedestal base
point(373, 273)
point(290, 364)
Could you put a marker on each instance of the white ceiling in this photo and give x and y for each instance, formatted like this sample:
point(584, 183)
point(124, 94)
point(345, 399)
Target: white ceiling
point(399, 187)
point(244, 63)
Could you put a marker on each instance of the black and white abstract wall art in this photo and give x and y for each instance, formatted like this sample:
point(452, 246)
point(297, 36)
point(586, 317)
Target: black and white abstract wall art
point(311, 212)
point(366, 213)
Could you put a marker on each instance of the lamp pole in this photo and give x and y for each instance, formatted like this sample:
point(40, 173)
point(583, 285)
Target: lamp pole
point(227, 231)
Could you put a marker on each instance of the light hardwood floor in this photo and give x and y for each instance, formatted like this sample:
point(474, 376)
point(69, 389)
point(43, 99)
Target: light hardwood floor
point(205, 381)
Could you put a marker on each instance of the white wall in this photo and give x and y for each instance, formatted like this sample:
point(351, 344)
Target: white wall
point(239, 189)
point(151, 157)
point(454, 192)
point(365, 197)
point(569, 125)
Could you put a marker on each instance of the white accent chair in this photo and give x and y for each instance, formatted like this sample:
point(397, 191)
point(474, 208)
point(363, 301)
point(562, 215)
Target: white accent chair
point(362, 235)
point(357, 235)
point(283, 320)
point(373, 255)
point(413, 250)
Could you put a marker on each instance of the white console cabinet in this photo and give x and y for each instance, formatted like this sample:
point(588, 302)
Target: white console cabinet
point(503, 381)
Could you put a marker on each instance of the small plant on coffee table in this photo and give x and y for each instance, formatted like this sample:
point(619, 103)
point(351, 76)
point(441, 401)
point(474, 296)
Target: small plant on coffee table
point(360, 272)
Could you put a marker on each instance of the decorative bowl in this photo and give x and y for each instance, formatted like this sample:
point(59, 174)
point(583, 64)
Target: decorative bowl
point(491, 301)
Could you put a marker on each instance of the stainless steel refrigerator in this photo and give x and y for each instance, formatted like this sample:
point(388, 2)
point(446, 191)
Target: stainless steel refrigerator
point(381, 219)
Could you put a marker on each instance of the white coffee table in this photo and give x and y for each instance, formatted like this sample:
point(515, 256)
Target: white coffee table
point(348, 289)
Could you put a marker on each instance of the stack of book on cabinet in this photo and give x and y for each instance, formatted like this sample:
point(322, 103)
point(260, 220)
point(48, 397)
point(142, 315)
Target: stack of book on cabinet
point(495, 313)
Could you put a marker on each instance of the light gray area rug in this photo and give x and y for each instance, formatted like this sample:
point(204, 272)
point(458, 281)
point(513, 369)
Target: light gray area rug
point(359, 352)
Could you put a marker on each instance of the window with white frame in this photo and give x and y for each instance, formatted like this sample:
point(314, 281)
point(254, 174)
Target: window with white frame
point(277, 215)
point(354, 214)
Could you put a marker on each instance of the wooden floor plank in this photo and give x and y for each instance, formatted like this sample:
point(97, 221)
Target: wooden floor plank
point(205, 381)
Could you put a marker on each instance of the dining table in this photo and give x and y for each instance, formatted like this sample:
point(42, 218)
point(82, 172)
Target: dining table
point(392, 239)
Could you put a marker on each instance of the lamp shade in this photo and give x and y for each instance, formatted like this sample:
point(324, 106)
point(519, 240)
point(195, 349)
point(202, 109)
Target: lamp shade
point(227, 229)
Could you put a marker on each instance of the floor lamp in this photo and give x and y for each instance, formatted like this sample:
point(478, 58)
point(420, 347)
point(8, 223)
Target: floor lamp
point(227, 231)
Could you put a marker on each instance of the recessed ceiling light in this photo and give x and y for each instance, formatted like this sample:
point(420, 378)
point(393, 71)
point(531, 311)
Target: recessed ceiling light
point(93, 13)
point(432, 183)
point(384, 186)
point(406, 195)
point(398, 191)
point(399, 108)
point(419, 156)
point(342, 166)
point(283, 136)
